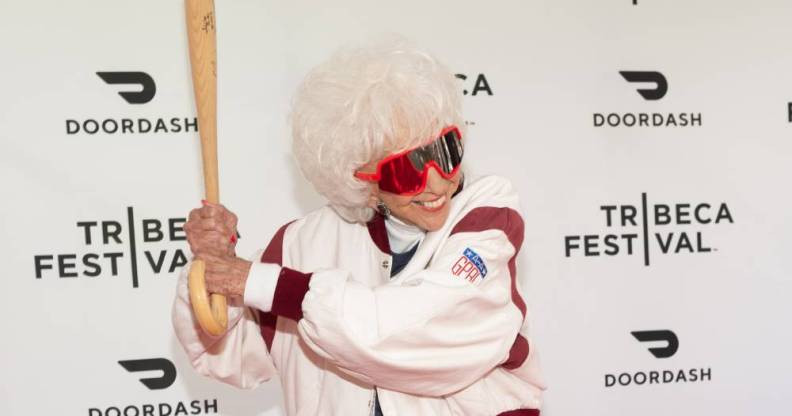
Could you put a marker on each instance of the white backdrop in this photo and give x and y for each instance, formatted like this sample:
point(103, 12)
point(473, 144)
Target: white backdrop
point(550, 68)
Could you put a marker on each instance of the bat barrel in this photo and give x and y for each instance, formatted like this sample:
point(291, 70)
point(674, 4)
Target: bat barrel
point(203, 61)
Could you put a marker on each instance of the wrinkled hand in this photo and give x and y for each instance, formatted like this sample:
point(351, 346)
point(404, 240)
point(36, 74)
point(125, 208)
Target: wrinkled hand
point(211, 232)
point(226, 275)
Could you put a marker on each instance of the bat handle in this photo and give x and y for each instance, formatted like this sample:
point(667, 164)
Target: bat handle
point(210, 311)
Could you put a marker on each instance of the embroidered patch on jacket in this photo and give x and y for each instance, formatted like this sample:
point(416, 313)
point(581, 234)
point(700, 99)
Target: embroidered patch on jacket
point(470, 266)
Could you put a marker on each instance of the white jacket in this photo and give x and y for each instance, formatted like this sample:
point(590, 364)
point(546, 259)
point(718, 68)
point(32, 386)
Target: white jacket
point(445, 336)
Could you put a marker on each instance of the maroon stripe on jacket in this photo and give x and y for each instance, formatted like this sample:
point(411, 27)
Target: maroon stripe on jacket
point(520, 412)
point(517, 353)
point(272, 254)
point(510, 222)
point(289, 293)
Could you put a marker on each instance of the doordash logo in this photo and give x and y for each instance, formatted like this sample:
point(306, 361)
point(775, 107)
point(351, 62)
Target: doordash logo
point(163, 380)
point(147, 86)
point(654, 77)
point(665, 335)
point(653, 87)
point(136, 88)
point(669, 345)
point(153, 364)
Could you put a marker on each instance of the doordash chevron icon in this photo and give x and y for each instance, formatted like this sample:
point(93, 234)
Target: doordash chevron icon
point(147, 86)
point(664, 335)
point(153, 364)
point(654, 77)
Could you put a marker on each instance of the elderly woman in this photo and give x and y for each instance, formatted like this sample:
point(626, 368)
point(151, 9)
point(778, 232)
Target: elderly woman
point(398, 298)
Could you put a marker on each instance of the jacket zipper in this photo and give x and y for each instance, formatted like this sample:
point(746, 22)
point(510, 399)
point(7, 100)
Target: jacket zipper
point(372, 400)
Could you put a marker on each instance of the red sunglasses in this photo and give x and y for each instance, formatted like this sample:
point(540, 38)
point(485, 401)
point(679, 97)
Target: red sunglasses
point(405, 173)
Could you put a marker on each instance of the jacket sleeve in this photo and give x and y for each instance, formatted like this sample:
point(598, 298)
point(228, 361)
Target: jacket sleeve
point(238, 357)
point(437, 331)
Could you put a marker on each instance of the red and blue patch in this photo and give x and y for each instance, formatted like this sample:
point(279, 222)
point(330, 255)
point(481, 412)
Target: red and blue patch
point(470, 266)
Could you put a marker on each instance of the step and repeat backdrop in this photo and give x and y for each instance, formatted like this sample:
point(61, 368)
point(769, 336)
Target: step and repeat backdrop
point(651, 142)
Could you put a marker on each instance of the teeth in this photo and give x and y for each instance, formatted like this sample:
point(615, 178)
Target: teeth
point(432, 204)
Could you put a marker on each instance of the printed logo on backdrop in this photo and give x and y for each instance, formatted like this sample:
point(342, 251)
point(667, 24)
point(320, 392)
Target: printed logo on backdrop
point(147, 86)
point(662, 228)
point(475, 84)
point(652, 86)
point(653, 77)
point(112, 246)
point(664, 344)
point(664, 335)
point(163, 365)
point(160, 375)
point(472, 86)
point(135, 88)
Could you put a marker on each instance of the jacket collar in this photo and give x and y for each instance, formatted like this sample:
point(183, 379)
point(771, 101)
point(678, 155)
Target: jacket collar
point(378, 233)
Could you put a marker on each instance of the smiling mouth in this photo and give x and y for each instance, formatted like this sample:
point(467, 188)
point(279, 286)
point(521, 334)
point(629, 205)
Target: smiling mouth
point(431, 205)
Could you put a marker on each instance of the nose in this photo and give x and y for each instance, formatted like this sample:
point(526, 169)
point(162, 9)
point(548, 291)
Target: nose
point(436, 183)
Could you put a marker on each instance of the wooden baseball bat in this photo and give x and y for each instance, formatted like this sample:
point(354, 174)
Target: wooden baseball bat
point(211, 312)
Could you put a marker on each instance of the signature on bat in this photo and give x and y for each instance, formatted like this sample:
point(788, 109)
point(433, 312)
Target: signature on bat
point(208, 22)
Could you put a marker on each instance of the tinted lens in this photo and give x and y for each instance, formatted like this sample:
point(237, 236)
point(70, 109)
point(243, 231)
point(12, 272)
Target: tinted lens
point(398, 176)
point(453, 150)
point(446, 151)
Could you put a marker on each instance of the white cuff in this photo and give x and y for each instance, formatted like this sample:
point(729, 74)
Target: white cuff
point(260, 286)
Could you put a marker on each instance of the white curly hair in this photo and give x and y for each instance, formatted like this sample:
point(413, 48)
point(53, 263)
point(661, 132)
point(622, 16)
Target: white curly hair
point(363, 104)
